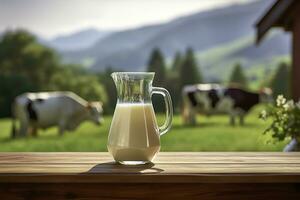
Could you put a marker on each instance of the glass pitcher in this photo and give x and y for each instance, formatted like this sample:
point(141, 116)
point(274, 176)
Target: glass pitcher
point(134, 136)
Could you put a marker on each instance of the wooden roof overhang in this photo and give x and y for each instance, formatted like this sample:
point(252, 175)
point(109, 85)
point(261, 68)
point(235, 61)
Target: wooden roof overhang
point(279, 15)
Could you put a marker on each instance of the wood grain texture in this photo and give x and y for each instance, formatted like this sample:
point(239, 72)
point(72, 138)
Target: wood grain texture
point(172, 167)
point(176, 175)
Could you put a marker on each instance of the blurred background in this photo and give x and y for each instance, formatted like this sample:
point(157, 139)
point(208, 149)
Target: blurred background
point(54, 45)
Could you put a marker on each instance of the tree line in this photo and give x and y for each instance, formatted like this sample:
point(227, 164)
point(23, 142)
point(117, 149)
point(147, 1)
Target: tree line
point(185, 70)
point(28, 66)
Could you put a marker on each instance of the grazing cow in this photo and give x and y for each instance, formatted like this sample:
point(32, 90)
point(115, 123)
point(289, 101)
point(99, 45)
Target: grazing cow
point(212, 99)
point(43, 110)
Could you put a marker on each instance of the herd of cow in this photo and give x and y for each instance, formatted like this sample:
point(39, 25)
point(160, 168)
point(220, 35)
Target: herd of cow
point(67, 110)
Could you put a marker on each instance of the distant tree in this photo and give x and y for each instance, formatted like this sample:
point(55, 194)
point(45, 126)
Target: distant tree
point(280, 82)
point(238, 76)
point(108, 83)
point(172, 85)
point(12, 85)
point(157, 64)
point(189, 70)
point(177, 61)
point(21, 54)
point(12, 46)
point(72, 78)
point(173, 80)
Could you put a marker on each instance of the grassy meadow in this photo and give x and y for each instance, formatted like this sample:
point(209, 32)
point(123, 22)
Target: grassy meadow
point(211, 134)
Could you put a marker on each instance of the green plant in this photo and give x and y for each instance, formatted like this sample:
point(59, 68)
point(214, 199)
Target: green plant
point(285, 116)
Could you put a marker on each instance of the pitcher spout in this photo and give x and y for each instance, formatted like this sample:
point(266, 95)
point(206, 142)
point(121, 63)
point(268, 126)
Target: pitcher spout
point(114, 76)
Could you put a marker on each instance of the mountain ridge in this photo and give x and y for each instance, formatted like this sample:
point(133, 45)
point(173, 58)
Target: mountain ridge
point(79, 40)
point(129, 49)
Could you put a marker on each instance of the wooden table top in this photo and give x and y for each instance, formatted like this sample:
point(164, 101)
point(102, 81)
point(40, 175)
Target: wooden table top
point(175, 167)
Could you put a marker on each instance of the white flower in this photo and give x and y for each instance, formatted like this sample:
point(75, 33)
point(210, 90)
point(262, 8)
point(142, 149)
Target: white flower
point(280, 100)
point(289, 105)
point(284, 116)
point(298, 104)
point(263, 114)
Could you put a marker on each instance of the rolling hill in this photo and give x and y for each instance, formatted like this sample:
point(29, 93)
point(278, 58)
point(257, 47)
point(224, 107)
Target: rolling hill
point(78, 40)
point(129, 49)
point(221, 37)
point(220, 60)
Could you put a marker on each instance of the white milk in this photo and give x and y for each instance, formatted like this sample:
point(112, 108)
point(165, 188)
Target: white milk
point(133, 133)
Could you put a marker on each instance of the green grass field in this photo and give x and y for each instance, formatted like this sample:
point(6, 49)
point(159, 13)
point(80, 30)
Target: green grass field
point(211, 134)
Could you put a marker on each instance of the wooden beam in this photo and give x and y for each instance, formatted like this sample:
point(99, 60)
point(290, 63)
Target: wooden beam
point(272, 18)
point(295, 75)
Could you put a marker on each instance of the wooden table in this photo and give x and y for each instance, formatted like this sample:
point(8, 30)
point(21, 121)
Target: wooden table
point(173, 176)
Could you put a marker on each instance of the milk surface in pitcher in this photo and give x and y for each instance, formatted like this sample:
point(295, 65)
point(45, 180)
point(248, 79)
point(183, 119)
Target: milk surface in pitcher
point(134, 134)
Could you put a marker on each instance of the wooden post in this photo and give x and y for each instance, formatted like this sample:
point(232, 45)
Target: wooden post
point(295, 83)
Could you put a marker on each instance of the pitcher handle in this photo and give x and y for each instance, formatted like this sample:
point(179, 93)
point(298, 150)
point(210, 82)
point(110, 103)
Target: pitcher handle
point(169, 108)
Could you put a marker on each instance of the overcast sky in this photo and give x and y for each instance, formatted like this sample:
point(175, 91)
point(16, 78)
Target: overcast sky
point(49, 18)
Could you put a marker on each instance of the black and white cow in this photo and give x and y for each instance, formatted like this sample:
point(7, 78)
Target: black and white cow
point(46, 109)
point(210, 99)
